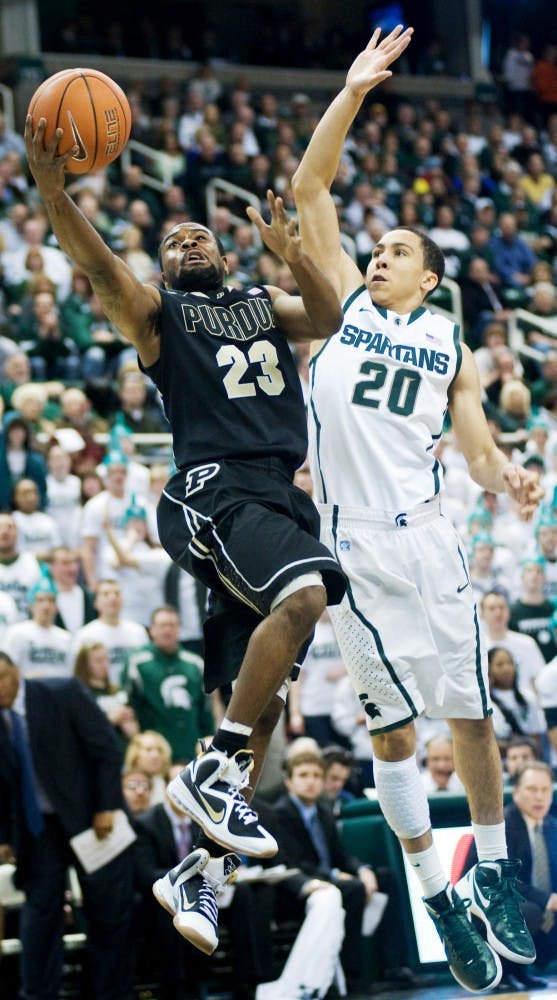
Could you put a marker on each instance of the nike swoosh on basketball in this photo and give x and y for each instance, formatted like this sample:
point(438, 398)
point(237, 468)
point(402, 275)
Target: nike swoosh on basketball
point(83, 154)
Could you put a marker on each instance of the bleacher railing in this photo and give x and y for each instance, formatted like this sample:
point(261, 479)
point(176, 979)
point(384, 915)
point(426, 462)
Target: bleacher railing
point(517, 334)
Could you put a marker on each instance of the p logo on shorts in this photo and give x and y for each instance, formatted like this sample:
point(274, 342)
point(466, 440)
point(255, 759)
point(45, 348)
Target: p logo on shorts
point(196, 478)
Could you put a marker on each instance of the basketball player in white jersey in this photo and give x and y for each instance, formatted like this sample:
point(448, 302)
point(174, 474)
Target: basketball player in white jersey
point(408, 627)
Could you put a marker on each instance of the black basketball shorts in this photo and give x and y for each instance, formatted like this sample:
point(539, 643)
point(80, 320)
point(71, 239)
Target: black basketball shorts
point(245, 531)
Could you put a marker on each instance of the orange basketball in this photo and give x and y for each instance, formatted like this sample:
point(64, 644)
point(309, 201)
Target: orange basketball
point(93, 111)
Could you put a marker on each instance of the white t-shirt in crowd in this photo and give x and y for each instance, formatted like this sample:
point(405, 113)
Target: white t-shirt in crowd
point(317, 692)
point(36, 532)
point(142, 587)
point(119, 639)
point(8, 615)
point(17, 578)
point(92, 524)
point(38, 651)
point(64, 506)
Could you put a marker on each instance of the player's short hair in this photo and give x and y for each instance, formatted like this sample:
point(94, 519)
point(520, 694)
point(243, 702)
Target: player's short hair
point(218, 241)
point(434, 259)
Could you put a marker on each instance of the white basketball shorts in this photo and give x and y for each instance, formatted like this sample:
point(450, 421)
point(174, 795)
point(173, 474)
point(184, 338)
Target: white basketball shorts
point(408, 625)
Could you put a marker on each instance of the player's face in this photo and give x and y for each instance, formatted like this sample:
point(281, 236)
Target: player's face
point(191, 260)
point(396, 276)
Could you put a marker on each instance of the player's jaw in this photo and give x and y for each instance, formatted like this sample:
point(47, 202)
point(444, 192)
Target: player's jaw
point(197, 275)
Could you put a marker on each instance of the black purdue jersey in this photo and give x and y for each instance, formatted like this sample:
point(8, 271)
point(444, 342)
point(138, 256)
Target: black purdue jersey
point(228, 380)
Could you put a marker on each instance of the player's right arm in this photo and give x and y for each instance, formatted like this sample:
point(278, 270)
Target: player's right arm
point(488, 466)
point(132, 306)
point(313, 179)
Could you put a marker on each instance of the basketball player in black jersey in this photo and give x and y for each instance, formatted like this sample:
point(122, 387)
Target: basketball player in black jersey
point(230, 515)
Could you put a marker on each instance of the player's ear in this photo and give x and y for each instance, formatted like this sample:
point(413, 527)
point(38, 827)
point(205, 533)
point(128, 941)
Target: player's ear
point(225, 264)
point(429, 281)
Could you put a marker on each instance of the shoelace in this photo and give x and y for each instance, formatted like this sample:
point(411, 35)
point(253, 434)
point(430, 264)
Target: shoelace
point(243, 808)
point(213, 884)
point(503, 893)
point(207, 900)
point(467, 948)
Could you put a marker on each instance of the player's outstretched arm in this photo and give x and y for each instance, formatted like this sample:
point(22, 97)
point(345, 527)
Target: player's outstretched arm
point(130, 305)
point(317, 315)
point(313, 178)
point(487, 465)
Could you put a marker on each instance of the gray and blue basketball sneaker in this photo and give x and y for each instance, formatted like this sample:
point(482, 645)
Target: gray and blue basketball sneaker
point(209, 790)
point(491, 888)
point(189, 893)
point(471, 961)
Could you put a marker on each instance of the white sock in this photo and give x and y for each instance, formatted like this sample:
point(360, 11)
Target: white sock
point(235, 727)
point(427, 866)
point(491, 842)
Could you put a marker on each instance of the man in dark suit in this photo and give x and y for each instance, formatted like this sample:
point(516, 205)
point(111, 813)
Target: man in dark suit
point(309, 840)
point(532, 839)
point(480, 301)
point(164, 837)
point(59, 775)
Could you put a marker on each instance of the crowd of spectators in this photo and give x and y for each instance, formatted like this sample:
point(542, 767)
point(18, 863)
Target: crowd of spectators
point(85, 587)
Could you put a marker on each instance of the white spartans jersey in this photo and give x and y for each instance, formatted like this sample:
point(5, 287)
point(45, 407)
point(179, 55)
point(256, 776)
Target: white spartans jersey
point(377, 404)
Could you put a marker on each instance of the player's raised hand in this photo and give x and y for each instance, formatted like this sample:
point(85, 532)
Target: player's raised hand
point(281, 234)
point(47, 167)
point(371, 67)
point(524, 487)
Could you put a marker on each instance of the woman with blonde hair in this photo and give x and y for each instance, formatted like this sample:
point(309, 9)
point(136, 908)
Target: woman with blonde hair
point(151, 752)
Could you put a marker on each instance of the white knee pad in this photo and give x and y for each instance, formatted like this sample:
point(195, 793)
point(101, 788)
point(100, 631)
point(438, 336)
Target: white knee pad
point(402, 797)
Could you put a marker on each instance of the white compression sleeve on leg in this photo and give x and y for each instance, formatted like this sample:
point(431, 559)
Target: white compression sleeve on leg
point(402, 797)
